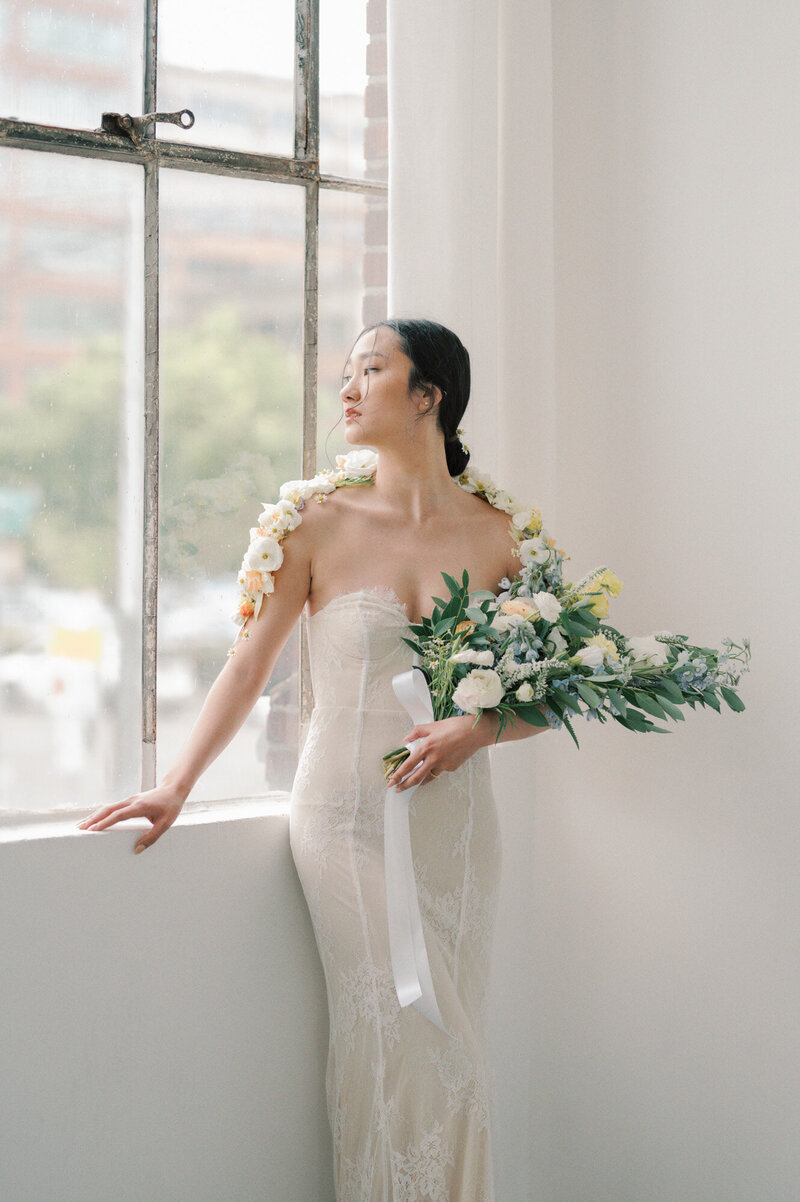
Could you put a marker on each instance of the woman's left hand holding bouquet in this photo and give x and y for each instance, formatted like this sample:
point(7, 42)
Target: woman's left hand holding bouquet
point(445, 745)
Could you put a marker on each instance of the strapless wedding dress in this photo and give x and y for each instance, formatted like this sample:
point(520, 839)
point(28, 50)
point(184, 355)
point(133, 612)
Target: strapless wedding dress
point(408, 1103)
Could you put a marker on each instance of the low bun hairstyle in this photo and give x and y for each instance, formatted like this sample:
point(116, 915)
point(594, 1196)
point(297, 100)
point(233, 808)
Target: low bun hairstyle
point(438, 357)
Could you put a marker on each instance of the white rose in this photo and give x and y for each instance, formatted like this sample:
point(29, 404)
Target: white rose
point(469, 656)
point(321, 483)
point(533, 550)
point(548, 606)
point(266, 579)
point(504, 500)
point(361, 462)
point(481, 689)
point(647, 649)
point(525, 691)
point(523, 518)
point(263, 555)
point(296, 490)
point(281, 517)
point(590, 657)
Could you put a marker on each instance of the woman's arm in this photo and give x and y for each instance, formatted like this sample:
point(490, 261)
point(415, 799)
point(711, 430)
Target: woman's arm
point(445, 745)
point(229, 700)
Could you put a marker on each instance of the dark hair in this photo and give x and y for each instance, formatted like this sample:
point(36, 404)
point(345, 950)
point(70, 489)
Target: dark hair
point(438, 357)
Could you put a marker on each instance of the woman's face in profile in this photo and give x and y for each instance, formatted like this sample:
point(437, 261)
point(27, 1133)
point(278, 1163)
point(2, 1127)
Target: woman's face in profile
point(374, 394)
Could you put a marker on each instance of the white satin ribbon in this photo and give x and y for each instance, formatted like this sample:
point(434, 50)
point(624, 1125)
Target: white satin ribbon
point(410, 967)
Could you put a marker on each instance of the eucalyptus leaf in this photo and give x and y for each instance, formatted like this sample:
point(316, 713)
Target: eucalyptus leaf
point(671, 689)
point(733, 699)
point(672, 710)
point(592, 698)
point(648, 703)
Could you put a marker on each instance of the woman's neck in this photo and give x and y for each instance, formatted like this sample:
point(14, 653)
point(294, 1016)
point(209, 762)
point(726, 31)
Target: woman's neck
point(418, 486)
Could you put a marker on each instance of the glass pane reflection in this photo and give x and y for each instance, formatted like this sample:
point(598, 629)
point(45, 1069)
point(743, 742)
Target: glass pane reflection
point(234, 68)
point(69, 63)
point(231, 421)
point(352, 293)
point(71, 386)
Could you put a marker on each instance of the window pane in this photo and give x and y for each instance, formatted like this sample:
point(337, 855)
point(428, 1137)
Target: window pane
point(352, 79)
point(231, 420)
point(352, 293)
point(234, 68)
point(71, 388)
point(69, 63)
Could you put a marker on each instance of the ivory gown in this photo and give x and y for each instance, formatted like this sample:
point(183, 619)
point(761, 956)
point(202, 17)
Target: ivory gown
point(408, 1104)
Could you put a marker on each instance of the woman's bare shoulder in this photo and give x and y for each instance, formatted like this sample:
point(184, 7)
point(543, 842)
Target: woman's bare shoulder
point(493, 529)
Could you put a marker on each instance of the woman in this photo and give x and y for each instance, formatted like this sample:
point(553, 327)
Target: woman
point(407, 1101)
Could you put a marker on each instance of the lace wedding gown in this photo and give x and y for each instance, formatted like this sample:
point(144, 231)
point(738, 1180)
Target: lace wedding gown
point(408, 1103)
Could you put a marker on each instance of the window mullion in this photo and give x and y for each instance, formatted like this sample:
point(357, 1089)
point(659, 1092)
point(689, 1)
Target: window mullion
point(306, 80)
point(151, 439)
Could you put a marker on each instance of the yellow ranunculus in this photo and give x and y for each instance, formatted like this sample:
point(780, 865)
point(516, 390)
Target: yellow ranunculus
point(599, 606)
point(611, 582)
point(606, 645)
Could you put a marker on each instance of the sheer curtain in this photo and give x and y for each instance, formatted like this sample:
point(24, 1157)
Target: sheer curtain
point(471, 245)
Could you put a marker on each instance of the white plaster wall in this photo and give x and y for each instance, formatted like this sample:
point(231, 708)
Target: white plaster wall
point(162, 1017)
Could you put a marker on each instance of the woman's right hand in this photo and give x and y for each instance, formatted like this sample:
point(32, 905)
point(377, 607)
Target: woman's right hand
point(161, 806)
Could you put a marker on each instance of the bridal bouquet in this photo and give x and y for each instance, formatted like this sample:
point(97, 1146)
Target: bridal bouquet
point(542, 651)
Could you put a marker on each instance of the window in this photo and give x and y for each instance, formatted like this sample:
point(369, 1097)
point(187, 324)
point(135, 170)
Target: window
point(175, 315)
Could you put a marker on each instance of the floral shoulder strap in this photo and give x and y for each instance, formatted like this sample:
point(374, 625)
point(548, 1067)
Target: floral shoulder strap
point(265, 555)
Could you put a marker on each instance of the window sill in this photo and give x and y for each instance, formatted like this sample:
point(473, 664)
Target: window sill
point(18, 826)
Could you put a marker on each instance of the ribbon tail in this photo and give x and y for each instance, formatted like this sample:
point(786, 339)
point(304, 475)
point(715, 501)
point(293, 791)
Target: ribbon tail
point(410, 966)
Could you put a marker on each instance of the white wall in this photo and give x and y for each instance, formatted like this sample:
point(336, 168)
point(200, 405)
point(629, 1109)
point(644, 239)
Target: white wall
point(666, 868)
point(162, 1016)
point(631, 303)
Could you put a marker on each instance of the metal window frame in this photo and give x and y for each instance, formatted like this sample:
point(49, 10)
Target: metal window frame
point(301, 169)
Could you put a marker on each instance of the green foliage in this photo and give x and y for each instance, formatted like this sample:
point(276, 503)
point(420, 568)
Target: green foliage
point(230, 401)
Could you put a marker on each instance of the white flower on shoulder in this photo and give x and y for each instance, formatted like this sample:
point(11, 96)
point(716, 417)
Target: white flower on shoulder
point(504, 500)
point(361, 462)
point(523, 518)
point(548, 606)
point(263, 555)
point(321, 483)
point(647, 649)
point(279, 519)
point(296, 490)
point(470, 656)
point(533, 550)
point(482, 688)
point(524, 692)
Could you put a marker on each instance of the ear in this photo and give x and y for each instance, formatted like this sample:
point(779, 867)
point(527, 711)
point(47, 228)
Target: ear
point(431, 396)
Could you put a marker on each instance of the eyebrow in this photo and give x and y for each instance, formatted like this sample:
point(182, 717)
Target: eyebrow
point(368, 355)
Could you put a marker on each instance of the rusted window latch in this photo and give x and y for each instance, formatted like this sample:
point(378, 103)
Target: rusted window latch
point(126, 126)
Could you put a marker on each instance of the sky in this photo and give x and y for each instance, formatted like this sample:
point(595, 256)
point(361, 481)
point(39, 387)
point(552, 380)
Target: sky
point(258, 35)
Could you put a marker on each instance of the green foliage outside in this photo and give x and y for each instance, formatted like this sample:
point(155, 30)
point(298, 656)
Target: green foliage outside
point(230, 434)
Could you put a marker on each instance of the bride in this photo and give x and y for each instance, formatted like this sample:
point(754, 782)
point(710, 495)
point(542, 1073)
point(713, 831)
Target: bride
point(408, 1102)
